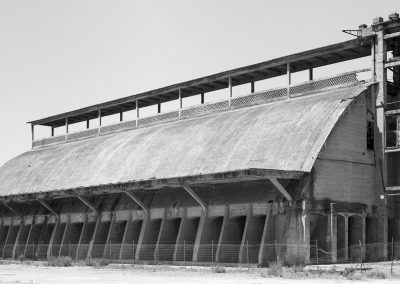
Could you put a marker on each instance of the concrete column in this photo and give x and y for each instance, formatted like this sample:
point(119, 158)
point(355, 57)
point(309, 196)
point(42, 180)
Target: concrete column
point(64, 235)
point(261, 253)
point(346, 237)
point(53, 234)
point(96, 228)
point(142, 235)
point(363, 236)
point(199, 235)
point(83, 231)
point(29, 236)
point(127, 228)
point(167, 237)
point(186, 239)
point(332, 229)
point(380, 135)
point(246, 233)
point(17, 239)
point(222, 233)
point(107, 246)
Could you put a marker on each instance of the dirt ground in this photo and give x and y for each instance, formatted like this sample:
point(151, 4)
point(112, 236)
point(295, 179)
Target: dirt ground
point(143, 274)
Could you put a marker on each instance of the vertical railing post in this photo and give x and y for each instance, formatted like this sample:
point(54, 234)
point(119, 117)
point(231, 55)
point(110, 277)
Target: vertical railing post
point(66, 128)
point(289, 78)
point(33, 131)
point(137, 112)
point(202, 98)
point(311, 74)
point(230, 90)
point(180, 102)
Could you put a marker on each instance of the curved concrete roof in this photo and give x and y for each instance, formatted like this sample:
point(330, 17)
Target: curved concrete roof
point(285, 135)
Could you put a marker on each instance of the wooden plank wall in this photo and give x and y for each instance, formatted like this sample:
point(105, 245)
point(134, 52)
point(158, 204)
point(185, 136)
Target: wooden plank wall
point(345, 168)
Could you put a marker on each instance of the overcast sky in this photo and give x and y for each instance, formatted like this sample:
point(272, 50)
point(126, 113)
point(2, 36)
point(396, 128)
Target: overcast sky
point(56, 56)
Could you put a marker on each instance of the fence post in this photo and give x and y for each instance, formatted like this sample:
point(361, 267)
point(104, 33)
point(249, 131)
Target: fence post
point(212, 251)
point(316, 245)
point(391, 265)
point(361, 257)
point(247, 254)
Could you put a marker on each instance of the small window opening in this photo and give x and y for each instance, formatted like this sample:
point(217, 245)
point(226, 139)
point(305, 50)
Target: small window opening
point(370, 135)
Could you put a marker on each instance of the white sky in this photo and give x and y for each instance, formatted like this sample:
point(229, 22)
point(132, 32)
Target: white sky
point(56, 56)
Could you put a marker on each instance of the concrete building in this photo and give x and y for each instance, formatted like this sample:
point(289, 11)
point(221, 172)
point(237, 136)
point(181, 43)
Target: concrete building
point(278, 174)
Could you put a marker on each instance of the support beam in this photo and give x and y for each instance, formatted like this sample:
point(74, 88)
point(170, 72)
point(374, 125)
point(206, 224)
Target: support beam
point(281, 189)
point(159, 108)
point(160, 235)
point(195, 196)
point(392, 35)
point(87, 124)
point(87, 203)
point(202, 98)
point(121, 116)
point(137, 201)
point(45, 205)
point(332, 229)
point(245, 234)
point(252, 87)
point(311, 74)
point(52, 131)
point(12, 210)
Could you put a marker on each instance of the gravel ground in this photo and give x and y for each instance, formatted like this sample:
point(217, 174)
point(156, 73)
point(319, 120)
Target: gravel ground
point(143, 274)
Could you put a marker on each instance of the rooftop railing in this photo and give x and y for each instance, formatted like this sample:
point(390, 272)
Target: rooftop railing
point(256, 98)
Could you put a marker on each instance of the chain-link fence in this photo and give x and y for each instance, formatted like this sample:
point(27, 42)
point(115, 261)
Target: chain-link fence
point(243, 253)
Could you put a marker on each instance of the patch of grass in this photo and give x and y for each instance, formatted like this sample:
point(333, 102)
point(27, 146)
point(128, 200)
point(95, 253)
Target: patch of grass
point(61, 261)
point(275, 269)
point(219, 270)
point(97, 262)
point(376, 274)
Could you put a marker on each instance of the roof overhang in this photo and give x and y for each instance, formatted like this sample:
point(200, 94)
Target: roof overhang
point(156, 184)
